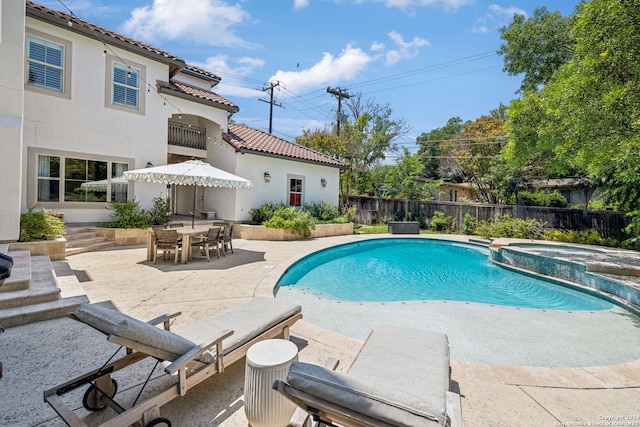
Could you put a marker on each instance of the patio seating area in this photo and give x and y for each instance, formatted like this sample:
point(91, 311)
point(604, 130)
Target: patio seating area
point(191, 241)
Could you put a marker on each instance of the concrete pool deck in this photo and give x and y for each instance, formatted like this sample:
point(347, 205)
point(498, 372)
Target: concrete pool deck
point(46, 353)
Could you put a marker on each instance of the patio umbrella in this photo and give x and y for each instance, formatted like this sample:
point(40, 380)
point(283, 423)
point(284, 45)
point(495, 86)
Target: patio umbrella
point(191, 172)
point(101, 185)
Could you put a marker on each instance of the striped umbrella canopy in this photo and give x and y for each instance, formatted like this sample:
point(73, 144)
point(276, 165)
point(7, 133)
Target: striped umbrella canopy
point(191, 172)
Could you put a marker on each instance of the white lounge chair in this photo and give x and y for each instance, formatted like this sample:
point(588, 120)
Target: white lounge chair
point(401, 377)
point(194, 353)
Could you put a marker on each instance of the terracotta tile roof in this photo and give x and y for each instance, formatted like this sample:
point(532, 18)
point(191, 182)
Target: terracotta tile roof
point(203, 72)
point(244, 138)
point(80, 25)
point(185, 89)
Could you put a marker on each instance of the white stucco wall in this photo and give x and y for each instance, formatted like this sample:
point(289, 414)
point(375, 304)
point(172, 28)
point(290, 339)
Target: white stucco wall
point(11, 115)
point(276, 191)
point(84, 126)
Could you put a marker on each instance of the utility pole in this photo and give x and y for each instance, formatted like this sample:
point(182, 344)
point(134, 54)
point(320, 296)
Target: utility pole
point(271, 102)
point(339, 93)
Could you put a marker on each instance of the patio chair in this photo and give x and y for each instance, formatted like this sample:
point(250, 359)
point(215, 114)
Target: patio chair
point(210, 241)
point(401, 377)
point(226, 238)
point(223, 339)
point(176, 225)
point(167, 241)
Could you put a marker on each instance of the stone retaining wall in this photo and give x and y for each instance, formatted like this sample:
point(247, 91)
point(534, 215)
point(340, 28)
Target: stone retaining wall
point(259, 232)
point(53, 248)
point(124, 236)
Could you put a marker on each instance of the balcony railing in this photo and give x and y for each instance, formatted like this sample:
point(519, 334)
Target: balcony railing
point(185, 135)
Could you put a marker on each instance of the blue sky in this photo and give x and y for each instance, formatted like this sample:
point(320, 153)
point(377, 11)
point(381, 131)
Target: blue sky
point(429, 60)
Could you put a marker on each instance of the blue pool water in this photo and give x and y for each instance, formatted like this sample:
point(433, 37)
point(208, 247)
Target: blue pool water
point(380, 270)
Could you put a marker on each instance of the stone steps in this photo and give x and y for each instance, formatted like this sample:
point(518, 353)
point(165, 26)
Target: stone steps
point(20, 273)
point(83, 240)
point(38, 290)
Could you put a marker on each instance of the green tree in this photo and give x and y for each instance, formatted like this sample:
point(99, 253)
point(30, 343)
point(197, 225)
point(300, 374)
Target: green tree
point(323, 140)
point(476, 152)
point(405, 179)
point(536, 47)
point(363, 143)
point(588, 113)
point(429, 151)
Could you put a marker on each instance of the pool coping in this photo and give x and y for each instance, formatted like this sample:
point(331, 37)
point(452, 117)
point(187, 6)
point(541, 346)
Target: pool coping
point(268, 284)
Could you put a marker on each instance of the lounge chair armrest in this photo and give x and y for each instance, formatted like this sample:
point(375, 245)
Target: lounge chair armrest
point(164, 319)
point(196, 352)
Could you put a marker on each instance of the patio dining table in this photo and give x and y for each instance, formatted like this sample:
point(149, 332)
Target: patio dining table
point(187, 234)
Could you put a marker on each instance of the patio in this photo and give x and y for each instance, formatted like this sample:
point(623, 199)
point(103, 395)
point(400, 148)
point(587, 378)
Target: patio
point(40, 355)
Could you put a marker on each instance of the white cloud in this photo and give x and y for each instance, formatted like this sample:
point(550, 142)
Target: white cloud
point(405, 50)
point(377, 47)
point(448, 5)
point(329, 70)
point(300, 4)
point(232, 83)
point(506, 12)
point(208, 22)
point(496, 17)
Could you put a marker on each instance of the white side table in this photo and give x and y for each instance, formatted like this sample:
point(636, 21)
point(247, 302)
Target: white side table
point(267, 361)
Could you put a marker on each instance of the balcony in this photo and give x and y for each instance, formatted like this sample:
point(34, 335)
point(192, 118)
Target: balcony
point(187, 135)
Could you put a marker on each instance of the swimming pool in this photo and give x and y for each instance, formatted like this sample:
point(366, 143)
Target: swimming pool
point(387, 270)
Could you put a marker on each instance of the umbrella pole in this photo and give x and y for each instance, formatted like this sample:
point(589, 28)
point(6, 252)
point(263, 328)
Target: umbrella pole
point(193, 212)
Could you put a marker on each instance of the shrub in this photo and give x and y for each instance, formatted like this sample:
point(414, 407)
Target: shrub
point(128, 214)
point(587, 237)
point(262, 213)
point(633, 230)
point(419, 218)
point(297, 221)
point(348, 214)
point(440, 221)
point(323, 211)
point(469, 223)
point(40, 225)
point(594, 205)
point(506, 226)
point(541, 198)
point(160, 212)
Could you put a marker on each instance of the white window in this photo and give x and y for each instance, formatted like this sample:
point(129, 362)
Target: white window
point(72, 179)
point(126, 86)
point(295, 191)
point(48, 178)
point(45, 64)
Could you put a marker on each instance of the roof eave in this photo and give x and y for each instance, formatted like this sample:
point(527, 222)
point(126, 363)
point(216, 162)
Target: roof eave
point(174, 64)
point(244, 150)
point(182, 95)
point(210, 79)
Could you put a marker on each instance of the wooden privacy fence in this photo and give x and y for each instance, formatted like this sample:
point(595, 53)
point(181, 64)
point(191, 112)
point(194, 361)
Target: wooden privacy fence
point(374, 210)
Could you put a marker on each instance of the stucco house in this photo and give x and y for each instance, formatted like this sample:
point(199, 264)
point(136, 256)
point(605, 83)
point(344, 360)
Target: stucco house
point(80, 103)
point(451, 192)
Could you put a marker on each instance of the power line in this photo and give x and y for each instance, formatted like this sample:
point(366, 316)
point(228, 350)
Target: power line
point(498, 139)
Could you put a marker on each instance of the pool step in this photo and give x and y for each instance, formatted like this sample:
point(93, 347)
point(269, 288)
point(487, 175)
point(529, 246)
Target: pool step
point(478, 241)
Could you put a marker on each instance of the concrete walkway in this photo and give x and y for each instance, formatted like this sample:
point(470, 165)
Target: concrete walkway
point(43, 354)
